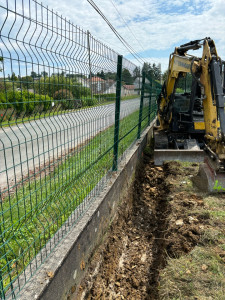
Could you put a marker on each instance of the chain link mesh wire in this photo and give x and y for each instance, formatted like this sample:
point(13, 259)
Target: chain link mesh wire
point(57, 116)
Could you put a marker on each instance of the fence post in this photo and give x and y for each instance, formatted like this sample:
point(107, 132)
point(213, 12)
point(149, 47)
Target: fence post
point(89, 61)
point(141, 105)
point(150, 104)
point(117, 112)
point(2, 293)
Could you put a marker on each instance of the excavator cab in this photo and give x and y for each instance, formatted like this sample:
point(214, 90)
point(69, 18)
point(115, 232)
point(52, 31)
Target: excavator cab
point(187, 109)
point(187, 117)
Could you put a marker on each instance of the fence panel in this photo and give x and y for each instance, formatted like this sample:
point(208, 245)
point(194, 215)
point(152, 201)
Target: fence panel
point(130, 107)
point(57, 131)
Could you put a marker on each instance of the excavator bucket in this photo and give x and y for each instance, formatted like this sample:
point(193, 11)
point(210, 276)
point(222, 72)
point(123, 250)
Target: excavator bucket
point(190, 151)
point(209, 179)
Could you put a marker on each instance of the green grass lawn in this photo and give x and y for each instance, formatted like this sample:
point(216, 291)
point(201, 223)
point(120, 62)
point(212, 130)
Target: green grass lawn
point(199, 274)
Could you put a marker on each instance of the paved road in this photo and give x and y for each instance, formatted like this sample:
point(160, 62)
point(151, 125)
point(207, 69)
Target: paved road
point(28, 146)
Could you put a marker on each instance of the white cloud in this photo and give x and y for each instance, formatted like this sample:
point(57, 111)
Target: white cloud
point(157, 24)
point(153, 27)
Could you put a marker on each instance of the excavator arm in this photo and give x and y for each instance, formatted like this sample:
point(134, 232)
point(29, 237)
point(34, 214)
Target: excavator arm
point(213, 100)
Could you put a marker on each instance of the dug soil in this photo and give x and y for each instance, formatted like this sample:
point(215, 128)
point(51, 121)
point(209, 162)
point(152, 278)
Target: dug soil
point(152, 224)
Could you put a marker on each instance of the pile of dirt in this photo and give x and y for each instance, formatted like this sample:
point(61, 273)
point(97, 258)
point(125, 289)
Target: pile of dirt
point(152, 223)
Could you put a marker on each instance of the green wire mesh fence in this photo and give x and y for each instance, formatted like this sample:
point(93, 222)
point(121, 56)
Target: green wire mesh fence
point(70, 107)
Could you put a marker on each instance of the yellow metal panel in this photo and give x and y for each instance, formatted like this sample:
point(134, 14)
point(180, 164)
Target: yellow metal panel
point(199, 125)
point(180, 64)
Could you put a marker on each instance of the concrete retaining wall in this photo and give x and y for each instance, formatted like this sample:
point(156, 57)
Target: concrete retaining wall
point(63, 270)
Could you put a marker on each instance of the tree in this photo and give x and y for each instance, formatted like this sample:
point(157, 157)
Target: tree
point(136, 72)
point(92, 75)
point(27, 82)
point(72, 76)
point(13, 77)
point(110, 76)
point(101, 75)
point(152, 71)
point(164, 75)
point(33, 74)
point(147, 69)
point(156, 71)
point(126, 76)
point(58, 82)
point(44, 74)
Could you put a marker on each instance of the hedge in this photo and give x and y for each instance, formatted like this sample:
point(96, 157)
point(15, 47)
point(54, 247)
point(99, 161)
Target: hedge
point(24, 102)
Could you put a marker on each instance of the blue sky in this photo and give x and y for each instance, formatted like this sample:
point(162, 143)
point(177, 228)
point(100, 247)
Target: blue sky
point(155, 26)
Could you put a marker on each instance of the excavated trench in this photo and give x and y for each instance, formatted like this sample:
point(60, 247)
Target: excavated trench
point(143, 234)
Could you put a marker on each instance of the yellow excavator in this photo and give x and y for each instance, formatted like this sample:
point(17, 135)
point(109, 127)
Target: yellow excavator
point(195, 120)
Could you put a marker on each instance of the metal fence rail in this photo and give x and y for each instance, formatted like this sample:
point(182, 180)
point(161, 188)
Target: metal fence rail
point(69, 109)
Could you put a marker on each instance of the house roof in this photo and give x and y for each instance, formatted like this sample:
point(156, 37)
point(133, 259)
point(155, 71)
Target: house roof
point(128, 86)
point(95, 79)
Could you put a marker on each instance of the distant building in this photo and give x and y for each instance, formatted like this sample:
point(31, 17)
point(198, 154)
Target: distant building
point(96, 84)
point(101, 86)
point(138, 83)
point(128, 89)
point(83, 81)
point(110, 87)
